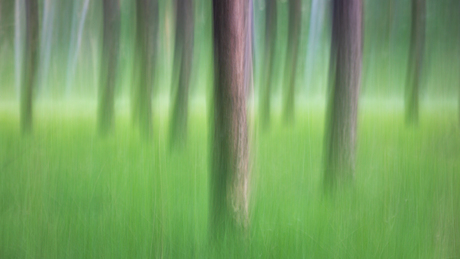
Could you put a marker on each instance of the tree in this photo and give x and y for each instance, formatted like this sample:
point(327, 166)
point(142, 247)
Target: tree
point(183, 53)
point(146, 35)
point(295, 18)
point(230, 175)
point(269, 55)
point(29, 65)
point(79, 17)
point(346, 60)
point(46, 40)
point(315, 33)
point(111, 35)
point(414, 73)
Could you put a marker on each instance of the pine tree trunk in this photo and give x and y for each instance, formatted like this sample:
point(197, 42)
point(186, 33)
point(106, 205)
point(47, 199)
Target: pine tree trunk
point(46, 36)
point(342, 111)
point(295, 19)
point(111, 35)
point(414, 74)
point(269, 55)
point(183, 54)
point(146, 36)
point(29, 64)
point(230, 175)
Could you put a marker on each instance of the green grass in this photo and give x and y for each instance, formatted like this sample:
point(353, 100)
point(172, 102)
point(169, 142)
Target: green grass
point(65, 193)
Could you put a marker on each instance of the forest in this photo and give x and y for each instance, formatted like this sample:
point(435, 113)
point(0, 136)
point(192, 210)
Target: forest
point(229, 129)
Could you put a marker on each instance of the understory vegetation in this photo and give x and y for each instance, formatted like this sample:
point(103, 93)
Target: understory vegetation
point(67, 193)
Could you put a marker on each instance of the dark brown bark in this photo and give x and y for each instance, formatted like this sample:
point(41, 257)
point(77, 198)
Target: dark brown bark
point(230, 175)
point(183, 54)
point(414, 73)
point(269, 55)
point(341, 120)
point(295, 19)
point(29, 64)
point(109, 63)
point(146, 35)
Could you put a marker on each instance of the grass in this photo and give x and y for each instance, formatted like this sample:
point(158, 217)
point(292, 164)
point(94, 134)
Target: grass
point(65, 193)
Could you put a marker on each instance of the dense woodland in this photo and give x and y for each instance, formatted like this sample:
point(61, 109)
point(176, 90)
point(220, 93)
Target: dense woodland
point(229, 128)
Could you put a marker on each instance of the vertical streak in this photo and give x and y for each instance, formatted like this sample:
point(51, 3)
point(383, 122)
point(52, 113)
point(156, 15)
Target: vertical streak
point(18, 43)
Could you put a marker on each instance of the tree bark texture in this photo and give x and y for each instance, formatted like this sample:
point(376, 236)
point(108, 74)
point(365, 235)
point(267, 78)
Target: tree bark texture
point(183, 55)
point(109, 64)
point(230, 175)
point(29, 64)
point(146, 51)
point(269, 55)
point(415, 66)
point(341, 120)
point(295, 19)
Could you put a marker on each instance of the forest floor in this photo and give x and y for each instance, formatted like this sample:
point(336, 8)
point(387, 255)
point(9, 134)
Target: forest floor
point(66, 193)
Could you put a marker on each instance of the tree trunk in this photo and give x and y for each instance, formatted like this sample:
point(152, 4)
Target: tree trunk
point(270, 40)
point(314, 47)
point(346, 60)
point(111, 36)
point(183, 54)
point(414, 74)
point(29, 64)
point(46, 45)
point(146, 36)
point(79, 17)
point(230, 175)
point(295, 19)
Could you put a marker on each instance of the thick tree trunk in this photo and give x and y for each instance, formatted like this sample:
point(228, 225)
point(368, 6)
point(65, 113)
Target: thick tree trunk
point(414, 74)
point(183, 54)
point(269, 55)
point(111, 36)
point(29, 64)
point(346, 60)
point(295, 19)
point(146, 35)
point(230, 175)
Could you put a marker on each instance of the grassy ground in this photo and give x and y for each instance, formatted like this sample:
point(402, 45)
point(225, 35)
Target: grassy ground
point(65, 193)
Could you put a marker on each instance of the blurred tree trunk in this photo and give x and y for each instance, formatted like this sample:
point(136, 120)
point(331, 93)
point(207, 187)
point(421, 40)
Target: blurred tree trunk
point(46, 44)
point(146, 36)
point(18, 45)
point(79, 18)
point(340, 135)
point(111, 35)
point(314, 48)
point(29, 64)
point(269, 55)
point(183, 54)
point(230, 175)
point(416, 55)
point(295, 19)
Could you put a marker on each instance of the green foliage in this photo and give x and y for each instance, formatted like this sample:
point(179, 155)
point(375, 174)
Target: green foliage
point(65, 193)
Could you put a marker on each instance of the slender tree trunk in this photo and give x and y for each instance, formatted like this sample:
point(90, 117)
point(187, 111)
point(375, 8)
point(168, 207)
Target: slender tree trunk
point(111, 35)
point(183, 54)
point(342, 111)
point(30, 64)
point(18, 45)
point(46, 44)
point(76, 37)
point(269, 55)
point(295, 18)
point(230, 175)
point(414, 74)
point(146, 36)
point(315, 29)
